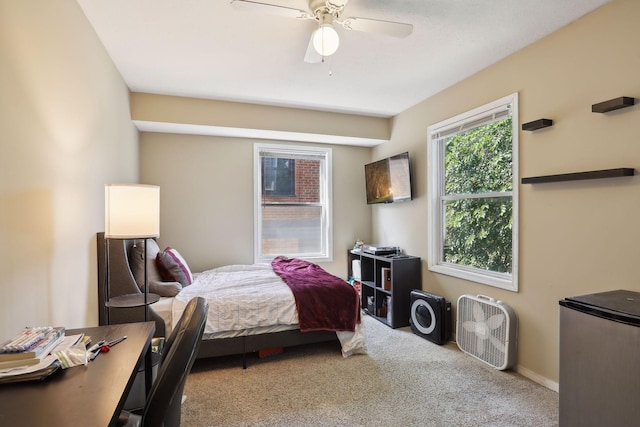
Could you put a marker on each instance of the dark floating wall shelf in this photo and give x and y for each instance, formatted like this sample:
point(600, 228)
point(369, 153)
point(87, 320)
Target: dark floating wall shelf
point(607, 173)
point(537, 124)
point(613, 104)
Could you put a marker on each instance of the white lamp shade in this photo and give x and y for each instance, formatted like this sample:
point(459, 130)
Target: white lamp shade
point(326, 40)
point(132, 211)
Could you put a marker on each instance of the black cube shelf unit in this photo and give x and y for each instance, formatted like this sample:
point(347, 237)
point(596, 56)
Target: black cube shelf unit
point(393, 294)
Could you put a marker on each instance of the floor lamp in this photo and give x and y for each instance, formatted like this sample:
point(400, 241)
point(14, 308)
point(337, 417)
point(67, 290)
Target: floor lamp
point(132, 211)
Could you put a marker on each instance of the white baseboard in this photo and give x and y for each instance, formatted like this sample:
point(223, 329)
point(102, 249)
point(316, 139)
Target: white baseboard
point(545, 382)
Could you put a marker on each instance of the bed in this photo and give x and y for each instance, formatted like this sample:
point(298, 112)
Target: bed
point(268, 317)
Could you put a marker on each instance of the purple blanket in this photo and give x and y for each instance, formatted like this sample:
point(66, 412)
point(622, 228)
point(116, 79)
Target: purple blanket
point(324, 301)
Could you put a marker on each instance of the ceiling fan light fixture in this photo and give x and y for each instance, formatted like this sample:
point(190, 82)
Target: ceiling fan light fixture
point(326, 40)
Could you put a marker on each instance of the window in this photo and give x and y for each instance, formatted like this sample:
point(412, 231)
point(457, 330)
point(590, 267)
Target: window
point(473, 195)
point(278, 177)
point(292, 202)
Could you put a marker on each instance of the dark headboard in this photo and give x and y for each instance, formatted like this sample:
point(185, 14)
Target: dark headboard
point(121, 283)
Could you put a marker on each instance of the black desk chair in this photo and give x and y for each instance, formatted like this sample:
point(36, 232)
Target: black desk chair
point(163, 404)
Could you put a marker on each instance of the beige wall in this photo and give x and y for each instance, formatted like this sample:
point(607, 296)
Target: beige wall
point(65, 131)
point(576, 237)
point(250, 120)
point(207, 197)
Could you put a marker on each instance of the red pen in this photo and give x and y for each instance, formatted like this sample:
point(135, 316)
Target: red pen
point(107, 346)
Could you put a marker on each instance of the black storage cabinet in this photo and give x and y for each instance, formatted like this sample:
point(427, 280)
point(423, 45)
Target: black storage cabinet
point(600, 359)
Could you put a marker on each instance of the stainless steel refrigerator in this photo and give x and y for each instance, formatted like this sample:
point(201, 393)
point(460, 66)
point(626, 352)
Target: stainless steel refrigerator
point(600, 359)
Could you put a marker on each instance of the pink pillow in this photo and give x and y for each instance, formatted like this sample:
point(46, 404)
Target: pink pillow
point(173, 268)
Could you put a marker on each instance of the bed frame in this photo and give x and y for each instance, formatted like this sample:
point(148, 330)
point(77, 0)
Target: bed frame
point(122, 283)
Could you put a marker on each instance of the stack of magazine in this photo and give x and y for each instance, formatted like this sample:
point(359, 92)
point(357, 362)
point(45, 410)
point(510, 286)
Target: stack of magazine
point(27, 356)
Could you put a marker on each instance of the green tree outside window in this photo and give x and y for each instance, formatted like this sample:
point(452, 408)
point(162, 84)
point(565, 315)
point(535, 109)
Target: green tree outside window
point(478, 221)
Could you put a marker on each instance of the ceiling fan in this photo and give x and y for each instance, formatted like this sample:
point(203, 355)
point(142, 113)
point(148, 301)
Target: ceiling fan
point(325, 40)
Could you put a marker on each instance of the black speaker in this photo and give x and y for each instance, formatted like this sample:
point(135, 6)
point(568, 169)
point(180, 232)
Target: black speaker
point(430, 316)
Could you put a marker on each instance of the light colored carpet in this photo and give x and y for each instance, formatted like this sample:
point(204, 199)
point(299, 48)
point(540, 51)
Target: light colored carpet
point(405, 380)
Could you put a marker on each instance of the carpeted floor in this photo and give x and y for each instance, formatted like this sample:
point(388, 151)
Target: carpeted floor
point(405, 380)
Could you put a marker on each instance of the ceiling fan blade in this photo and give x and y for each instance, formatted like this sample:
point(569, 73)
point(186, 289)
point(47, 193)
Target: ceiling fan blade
point(338, 4)
point(312, 56)
point(389, 28)
point(254, 6)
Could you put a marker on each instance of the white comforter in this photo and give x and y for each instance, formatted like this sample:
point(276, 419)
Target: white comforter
point(240, 297)
point(250, 296)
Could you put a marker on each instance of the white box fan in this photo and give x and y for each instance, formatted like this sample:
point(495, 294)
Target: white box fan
point(487, 330)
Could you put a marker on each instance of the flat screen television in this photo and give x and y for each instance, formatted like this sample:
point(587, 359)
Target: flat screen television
point(388, 180)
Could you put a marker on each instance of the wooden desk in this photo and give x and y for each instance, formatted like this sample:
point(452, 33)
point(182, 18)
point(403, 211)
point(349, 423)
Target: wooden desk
point(91, 395)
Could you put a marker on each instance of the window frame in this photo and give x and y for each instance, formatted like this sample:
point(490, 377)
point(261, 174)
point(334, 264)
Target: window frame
point(326, 197)
point(436, 196)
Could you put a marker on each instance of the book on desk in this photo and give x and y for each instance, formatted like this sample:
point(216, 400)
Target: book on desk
point(48, 363)
point(32, 375)
point(30, 346)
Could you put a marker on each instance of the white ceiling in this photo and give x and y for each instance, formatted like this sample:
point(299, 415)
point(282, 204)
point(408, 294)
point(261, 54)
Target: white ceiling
point(207, 49)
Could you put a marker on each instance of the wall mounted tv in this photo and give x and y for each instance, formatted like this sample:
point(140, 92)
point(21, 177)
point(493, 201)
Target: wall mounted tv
point(388, 180)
